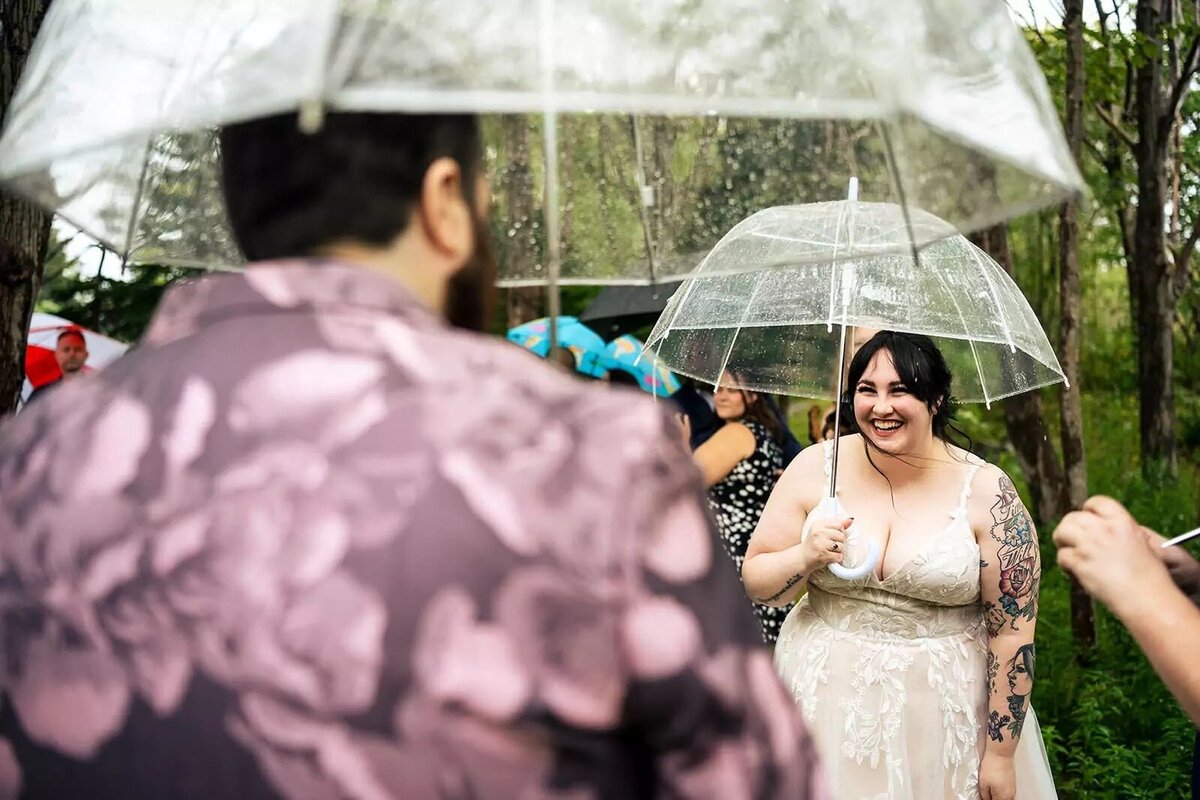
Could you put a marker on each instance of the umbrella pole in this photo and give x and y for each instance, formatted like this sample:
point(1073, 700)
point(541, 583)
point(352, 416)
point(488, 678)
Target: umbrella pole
point(851, 198)
point(550, 211)
point(550, 190)
point(837, 411)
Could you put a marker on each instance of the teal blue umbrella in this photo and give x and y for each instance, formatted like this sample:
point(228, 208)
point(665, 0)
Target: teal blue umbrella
point(585, 344)
point(625, 352)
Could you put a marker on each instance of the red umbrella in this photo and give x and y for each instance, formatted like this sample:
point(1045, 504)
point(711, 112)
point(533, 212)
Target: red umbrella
point(41, 367)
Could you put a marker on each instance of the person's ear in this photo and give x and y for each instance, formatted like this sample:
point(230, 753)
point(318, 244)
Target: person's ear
point(445, 217)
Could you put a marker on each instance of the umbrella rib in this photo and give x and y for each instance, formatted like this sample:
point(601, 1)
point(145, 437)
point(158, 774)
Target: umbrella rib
point(935, 264)
point(894, 170)
point(643, 215)
point(850, 209)
point(995, 298)
point(758, 280)
point(135, 215)
point(837, 240)
point(550, 186)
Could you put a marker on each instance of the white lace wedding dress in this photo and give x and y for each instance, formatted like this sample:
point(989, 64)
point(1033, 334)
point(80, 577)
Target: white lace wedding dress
point(891, 676)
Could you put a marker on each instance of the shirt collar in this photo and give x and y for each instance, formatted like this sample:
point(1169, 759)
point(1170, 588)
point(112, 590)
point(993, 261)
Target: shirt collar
point(296, 286)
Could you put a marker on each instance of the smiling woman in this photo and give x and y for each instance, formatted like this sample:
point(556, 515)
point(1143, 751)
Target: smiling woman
point(897, 399)
point(740, 463)
point(914, 678)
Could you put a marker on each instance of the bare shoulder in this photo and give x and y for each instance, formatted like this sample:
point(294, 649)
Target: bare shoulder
point(988, 483)
point(803, 480)
point(737, 434)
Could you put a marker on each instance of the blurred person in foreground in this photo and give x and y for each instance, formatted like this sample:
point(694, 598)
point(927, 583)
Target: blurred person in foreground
point(318, 538)
point(71, 354)
point(1152, 590)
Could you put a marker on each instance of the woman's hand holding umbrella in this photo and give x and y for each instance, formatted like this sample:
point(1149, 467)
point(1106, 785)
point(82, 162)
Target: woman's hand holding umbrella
point(825, 543)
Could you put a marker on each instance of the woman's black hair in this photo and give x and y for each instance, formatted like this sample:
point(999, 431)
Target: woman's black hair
point(923, 370)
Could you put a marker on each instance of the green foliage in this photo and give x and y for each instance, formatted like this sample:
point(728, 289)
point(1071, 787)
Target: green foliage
point(120, 308)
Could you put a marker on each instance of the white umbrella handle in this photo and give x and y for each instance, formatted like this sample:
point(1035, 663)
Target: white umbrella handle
point(860, 571)
point(831, 507)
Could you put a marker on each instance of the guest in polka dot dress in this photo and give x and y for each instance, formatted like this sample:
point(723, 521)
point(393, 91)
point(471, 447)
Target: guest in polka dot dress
point(741, 463)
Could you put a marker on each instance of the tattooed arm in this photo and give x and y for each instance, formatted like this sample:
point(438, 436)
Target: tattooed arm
point(1010, 572)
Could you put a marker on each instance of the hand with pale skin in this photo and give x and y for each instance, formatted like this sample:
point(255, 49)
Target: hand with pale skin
point(826, 542)
point(997, 777)
point(777, 575)
point(1115, 560)
point(1106, 550)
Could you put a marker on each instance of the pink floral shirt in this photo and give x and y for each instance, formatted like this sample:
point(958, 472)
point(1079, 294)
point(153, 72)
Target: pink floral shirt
point(307, 541)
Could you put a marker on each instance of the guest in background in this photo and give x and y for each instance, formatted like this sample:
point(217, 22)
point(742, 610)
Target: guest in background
point(741, 463)
point(790, 444)
point(71, 353)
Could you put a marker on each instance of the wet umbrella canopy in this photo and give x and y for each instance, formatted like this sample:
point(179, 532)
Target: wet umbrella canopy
point(825, 266)
point(650, 123)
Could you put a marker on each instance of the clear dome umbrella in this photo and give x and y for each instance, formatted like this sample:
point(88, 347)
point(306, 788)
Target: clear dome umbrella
point(823, 268)
point(678, 118)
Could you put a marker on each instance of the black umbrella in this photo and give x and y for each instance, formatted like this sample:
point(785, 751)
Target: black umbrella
point(625, 309)
point(629, 308)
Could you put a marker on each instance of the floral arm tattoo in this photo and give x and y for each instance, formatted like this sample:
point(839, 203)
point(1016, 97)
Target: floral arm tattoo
point(1011, 574)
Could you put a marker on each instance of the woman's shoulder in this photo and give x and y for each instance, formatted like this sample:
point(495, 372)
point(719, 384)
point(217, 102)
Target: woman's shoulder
point(985, 476)
point(810, 462)
point(991, 488)
point(736, 435)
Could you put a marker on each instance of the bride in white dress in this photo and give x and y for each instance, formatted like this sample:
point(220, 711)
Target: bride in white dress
point(915, 678)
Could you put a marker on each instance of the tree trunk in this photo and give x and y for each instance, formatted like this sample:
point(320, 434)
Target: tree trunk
point(524, 303)
point(1083, 614)
point(1156, 369)
point(24, 228)
point(1025, 418)
point(1155, 322)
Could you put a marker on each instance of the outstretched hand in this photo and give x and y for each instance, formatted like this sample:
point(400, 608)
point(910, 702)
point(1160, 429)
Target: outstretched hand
point(1106, 550)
